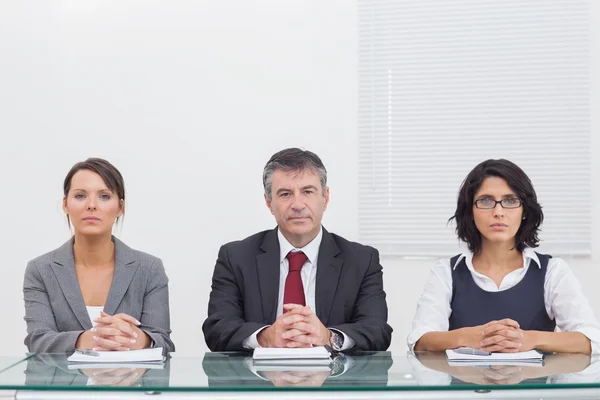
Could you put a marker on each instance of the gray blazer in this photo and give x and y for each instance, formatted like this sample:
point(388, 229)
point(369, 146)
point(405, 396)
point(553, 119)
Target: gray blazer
point(55, 310)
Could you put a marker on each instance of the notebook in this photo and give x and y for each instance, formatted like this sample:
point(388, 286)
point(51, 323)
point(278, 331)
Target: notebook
point(152, 355)
point(318, 355)
point(468, 355)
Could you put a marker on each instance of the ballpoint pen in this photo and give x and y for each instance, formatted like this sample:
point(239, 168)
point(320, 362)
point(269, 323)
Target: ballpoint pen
point(471, 351)
point(87, 352)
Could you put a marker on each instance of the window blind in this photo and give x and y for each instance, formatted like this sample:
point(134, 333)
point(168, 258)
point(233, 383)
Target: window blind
point(444, 85)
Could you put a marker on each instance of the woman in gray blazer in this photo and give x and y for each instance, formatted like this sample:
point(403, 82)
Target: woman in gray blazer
point(95, 292)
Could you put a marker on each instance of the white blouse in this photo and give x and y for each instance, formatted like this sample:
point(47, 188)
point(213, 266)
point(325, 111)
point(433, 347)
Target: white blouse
point(94, 312)
point(563, 297)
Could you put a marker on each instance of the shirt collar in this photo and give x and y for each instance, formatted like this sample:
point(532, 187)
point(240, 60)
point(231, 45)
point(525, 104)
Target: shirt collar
point(528, 255)
point(311, 250)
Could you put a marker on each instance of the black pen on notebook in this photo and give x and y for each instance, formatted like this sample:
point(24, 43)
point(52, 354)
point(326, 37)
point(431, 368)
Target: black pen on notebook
point(87, 352)
point(471, 351)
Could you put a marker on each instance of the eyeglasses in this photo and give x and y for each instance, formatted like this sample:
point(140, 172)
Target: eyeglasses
point(488, 204)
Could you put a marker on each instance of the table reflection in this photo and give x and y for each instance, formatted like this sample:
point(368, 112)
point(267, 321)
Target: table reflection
point(235, 369)
point(432, 369)
point(55, 370)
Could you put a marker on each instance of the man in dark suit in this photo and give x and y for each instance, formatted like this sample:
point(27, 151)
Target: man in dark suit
point(297, 285)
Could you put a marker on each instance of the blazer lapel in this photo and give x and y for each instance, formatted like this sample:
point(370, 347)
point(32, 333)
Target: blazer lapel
point(268, 275)
point(125, 267)
point(63, 266)
point(329, 267)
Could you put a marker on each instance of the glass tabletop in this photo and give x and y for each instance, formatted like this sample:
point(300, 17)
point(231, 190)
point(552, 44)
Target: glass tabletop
point(9, 362)
point(374, 371)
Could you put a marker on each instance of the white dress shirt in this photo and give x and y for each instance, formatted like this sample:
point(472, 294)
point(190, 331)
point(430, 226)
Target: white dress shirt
point(563, 298)
point(308, 274)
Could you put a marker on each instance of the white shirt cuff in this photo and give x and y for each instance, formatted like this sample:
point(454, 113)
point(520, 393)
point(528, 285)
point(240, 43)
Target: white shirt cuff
point(593, 335)
point(251, 342)
point(348, 341)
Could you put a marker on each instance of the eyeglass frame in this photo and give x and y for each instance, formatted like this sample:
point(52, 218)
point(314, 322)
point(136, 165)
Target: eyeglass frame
point(496, 202)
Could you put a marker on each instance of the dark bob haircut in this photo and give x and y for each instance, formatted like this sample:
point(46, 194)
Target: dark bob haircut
point(110, 175)
point(519, 182)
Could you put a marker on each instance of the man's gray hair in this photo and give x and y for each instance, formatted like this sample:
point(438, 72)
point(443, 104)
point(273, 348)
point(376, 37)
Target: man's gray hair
point(293, 159)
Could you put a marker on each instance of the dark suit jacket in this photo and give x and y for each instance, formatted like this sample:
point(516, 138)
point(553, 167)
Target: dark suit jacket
point(349, 292)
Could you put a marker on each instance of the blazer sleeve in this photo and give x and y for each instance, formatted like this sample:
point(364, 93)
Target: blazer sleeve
point(368, 326)
point(155, 310)
point(225, 328)
point(42, 333)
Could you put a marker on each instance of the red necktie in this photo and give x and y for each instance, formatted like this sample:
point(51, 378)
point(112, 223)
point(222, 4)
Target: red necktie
point(294, 291)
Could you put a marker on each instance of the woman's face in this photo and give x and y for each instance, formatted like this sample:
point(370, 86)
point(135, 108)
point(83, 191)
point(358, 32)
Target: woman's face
point(497, 224)
point(90, 205)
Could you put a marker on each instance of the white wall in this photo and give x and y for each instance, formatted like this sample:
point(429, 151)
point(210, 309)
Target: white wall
point(189, 101)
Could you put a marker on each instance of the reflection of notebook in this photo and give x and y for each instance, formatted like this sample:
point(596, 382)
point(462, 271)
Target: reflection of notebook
point(146, 365)
point(291, 367)
point(491, 363)
point(291, 362)
point(467, 355)
point(152, 355)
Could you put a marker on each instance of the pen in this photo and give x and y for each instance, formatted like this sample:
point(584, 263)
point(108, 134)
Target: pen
point(87, 352)
point(474, 352)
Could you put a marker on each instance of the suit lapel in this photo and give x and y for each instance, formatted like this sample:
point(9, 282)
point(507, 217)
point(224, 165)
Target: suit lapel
point(63, 266)
point(125, 267)
point(268, 275)
point(329, 266)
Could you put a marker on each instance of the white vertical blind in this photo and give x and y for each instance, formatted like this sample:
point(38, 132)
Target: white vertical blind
point(444, 85)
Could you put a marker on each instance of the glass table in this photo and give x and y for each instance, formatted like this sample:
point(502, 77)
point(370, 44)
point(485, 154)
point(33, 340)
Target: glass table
point(354, 376)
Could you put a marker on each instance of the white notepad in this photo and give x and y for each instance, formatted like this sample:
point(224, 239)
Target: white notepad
point(152, 355)
point(317, 354)
point(532, 356)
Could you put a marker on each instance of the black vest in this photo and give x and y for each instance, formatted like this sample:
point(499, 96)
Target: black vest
point(524, 302)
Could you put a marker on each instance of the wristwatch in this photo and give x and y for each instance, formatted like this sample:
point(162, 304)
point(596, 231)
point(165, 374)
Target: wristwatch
point(337, 340)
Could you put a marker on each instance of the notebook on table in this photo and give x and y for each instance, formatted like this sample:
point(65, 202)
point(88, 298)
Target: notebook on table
point(469, 356)
point(318, 355)
point(148, 356)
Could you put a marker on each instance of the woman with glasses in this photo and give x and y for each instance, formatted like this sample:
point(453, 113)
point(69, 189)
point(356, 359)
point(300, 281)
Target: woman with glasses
point(501, 295)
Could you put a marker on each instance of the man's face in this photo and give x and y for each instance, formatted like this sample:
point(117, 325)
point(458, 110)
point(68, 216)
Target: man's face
point(297, 202)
